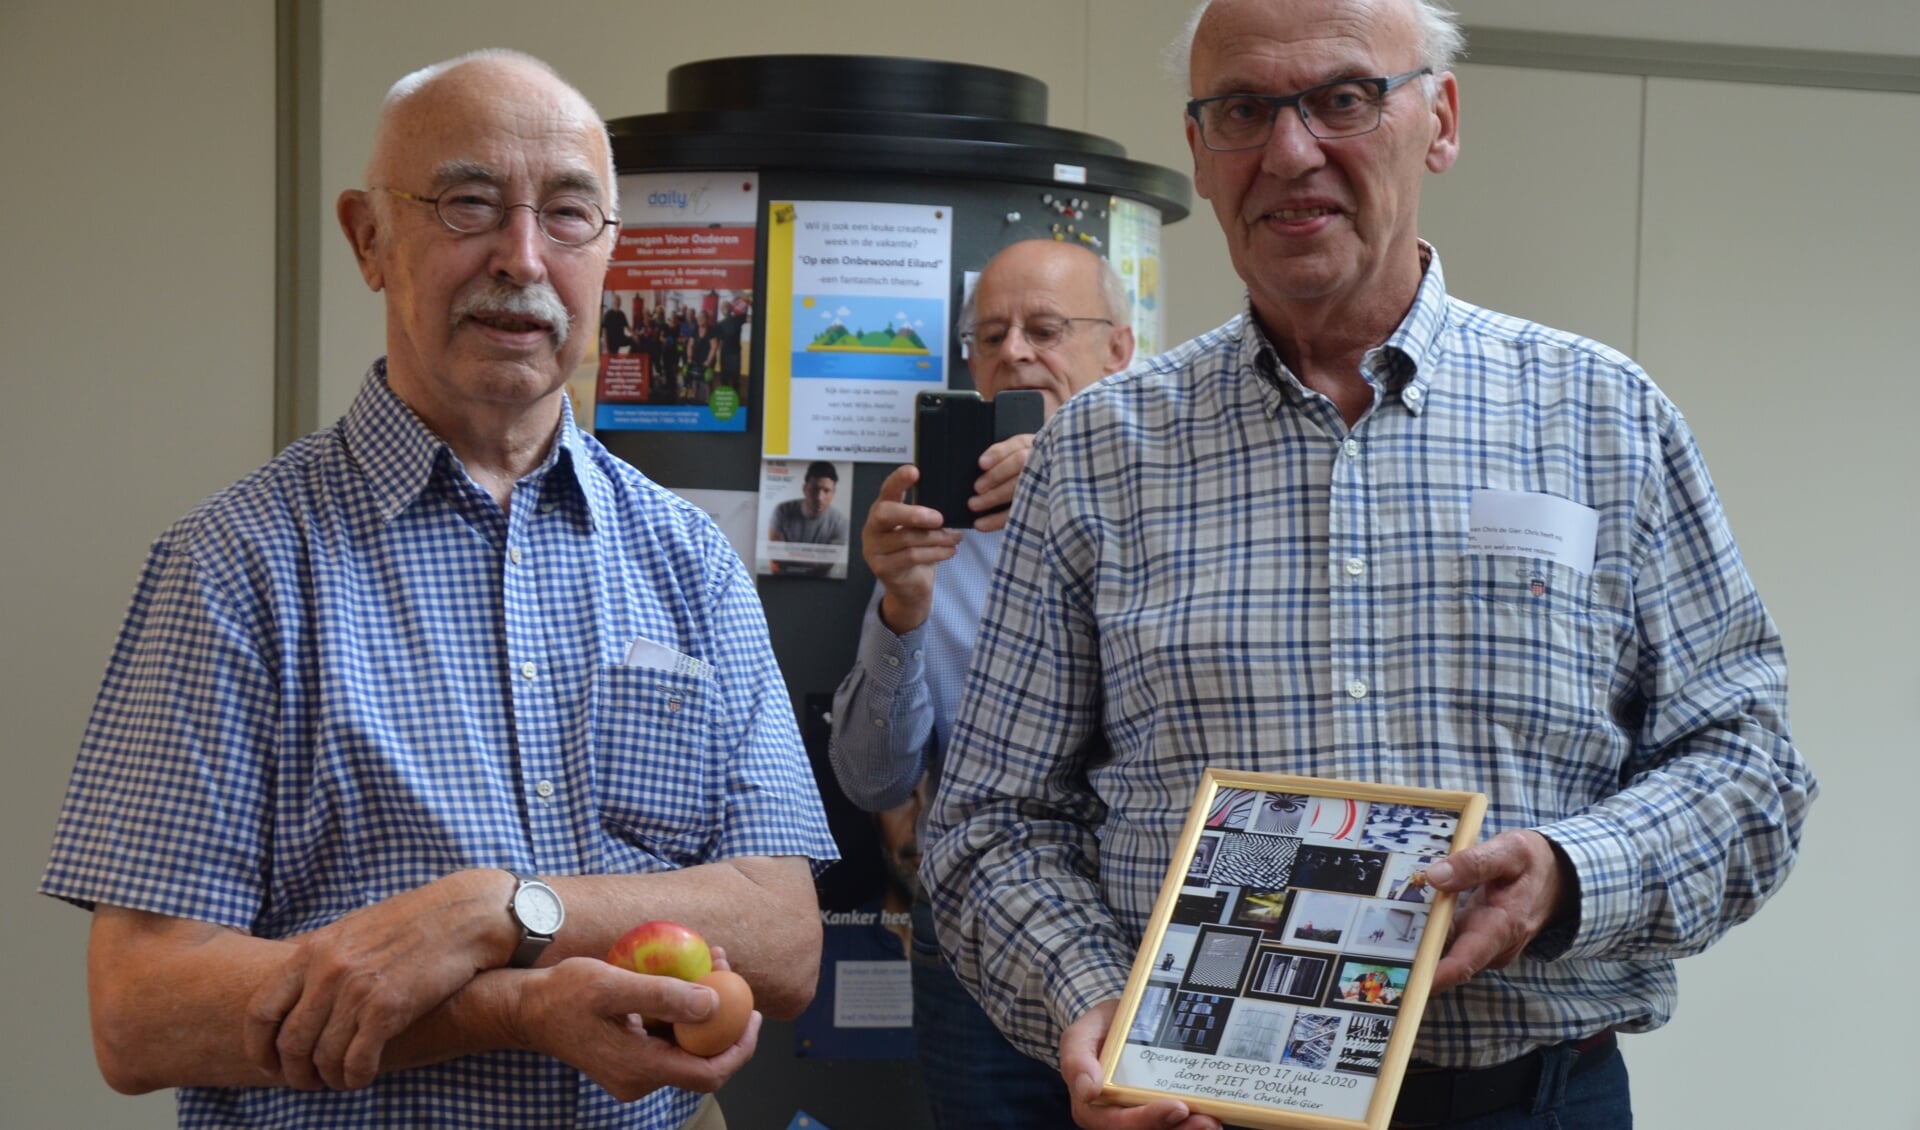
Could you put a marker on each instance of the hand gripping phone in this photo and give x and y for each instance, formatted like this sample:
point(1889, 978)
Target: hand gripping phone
point(951, 429)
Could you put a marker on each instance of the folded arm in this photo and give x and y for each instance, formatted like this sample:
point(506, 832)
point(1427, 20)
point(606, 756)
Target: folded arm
point(417, 979)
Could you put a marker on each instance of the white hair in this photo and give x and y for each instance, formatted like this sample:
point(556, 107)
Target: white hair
point(1113, 293)
point(1442, 42)
point(411, 84)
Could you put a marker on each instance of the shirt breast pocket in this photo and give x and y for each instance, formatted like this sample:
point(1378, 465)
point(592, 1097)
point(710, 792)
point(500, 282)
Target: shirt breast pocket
point(1531, 654)
point(655, 783)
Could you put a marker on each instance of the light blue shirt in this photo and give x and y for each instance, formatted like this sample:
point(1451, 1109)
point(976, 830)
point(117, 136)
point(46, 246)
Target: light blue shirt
point(350, 674)
point(1206, 567)
point(893, 713)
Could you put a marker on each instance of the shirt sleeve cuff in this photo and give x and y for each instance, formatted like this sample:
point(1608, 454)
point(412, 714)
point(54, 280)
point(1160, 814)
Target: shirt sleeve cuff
point(1607, 900)
point(1082, 977)
point(890, 661)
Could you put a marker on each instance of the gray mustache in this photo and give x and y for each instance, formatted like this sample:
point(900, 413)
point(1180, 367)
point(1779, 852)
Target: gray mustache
point(495, 297)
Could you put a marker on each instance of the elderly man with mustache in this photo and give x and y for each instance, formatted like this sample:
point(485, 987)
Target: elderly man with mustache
point(406, 728)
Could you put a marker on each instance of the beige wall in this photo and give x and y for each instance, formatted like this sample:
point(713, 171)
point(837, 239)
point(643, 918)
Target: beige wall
point(1752, 245)
point(136, 204)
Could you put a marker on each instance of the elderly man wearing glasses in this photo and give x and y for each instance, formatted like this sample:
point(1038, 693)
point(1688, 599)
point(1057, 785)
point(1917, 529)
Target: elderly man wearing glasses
point(1046, 316)
point(1367, 531)
point(376, 778)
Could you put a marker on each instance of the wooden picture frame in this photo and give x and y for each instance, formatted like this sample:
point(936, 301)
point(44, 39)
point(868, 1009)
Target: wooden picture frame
point(1296, 1003)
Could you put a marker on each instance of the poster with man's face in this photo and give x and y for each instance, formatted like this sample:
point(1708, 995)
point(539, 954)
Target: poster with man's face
point(805, 518)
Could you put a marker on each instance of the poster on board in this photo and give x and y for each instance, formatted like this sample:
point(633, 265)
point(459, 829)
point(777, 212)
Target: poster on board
point(857, 324)
point(676, 317)
point(1133, 247)
point(805, 518)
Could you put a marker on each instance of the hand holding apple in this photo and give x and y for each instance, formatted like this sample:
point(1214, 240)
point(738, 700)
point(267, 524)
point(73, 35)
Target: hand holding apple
point(668, 949)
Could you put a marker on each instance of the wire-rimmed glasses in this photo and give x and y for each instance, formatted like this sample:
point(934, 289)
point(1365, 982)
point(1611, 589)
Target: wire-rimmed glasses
point(470, 209)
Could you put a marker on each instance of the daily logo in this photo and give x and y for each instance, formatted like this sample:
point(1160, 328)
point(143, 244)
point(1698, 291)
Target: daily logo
point(693, 202)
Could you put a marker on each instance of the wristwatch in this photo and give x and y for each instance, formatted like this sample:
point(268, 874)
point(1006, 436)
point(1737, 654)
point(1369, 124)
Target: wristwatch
point(537, 910)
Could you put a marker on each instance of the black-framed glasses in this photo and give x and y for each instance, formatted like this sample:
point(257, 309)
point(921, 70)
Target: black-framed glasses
point(1348, 107)
point(476, 207)
point(1044, 333)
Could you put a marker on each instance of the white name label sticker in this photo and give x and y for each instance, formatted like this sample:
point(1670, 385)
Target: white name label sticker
point(1513, 523)
point(643, 652)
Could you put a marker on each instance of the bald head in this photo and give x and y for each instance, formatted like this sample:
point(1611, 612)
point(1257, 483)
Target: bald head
point(1057, 257)
point(1442, 43)
point(1043, 282)
point(493, 78)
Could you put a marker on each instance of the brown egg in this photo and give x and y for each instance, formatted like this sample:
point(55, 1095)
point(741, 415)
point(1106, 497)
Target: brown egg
point(722, 1029)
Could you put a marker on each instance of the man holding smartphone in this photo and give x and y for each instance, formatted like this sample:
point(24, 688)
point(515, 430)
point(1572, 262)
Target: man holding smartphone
point(1045, 316)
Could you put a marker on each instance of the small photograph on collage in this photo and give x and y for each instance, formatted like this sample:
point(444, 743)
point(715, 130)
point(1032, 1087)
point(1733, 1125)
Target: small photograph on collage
point(1390, 929)
point(1320, 920)
point(1173, 953)
point(1256, 860)
point(1232, 809)
point(1347, 870)
point(1220, 959)
point(1256, 1030)
point(1365, 1046)
point(1311, 1041)
point(1195, 908)
point(1290, 975)
point(1201, 865)
point(1196, 1022)
point(1372, 986)
point(1265, 911)
point(1410, 828)
point(1332, 820)
point(1407, 878)
point(1151, 1013)
point(1280, 814)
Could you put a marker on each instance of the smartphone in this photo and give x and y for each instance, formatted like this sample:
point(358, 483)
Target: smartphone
point(952, 428)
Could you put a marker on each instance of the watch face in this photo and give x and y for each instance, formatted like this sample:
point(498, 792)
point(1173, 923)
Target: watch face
point(538, 908)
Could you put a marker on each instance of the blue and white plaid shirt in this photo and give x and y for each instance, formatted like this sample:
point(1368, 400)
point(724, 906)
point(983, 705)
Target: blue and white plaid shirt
point(350, 674)
point(1206, 567)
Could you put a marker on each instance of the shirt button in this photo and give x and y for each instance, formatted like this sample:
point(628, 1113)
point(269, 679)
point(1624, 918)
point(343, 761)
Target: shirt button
point(893, 661)
point(544, 788)
point(1357, 689)
point(546, 508)
point(879, 723)
point(1412, 394)
point(1355, 566)
point(513, 555)
point(528, 670)
point(1351, 448)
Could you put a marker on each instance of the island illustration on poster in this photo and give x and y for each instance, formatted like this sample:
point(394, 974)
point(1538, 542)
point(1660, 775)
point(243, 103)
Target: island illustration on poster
point(857, 326)
point(1288, 959)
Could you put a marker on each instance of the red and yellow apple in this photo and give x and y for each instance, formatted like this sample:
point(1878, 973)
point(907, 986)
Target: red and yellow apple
point(663, 949)
point(668, 949)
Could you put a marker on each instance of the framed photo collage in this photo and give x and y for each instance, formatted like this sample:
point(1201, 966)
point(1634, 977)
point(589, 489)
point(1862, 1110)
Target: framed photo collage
point(1283, 973)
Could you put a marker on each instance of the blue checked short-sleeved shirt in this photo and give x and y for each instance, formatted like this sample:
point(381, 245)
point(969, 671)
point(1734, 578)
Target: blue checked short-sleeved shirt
point(350, 674)
point(1205, 567)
